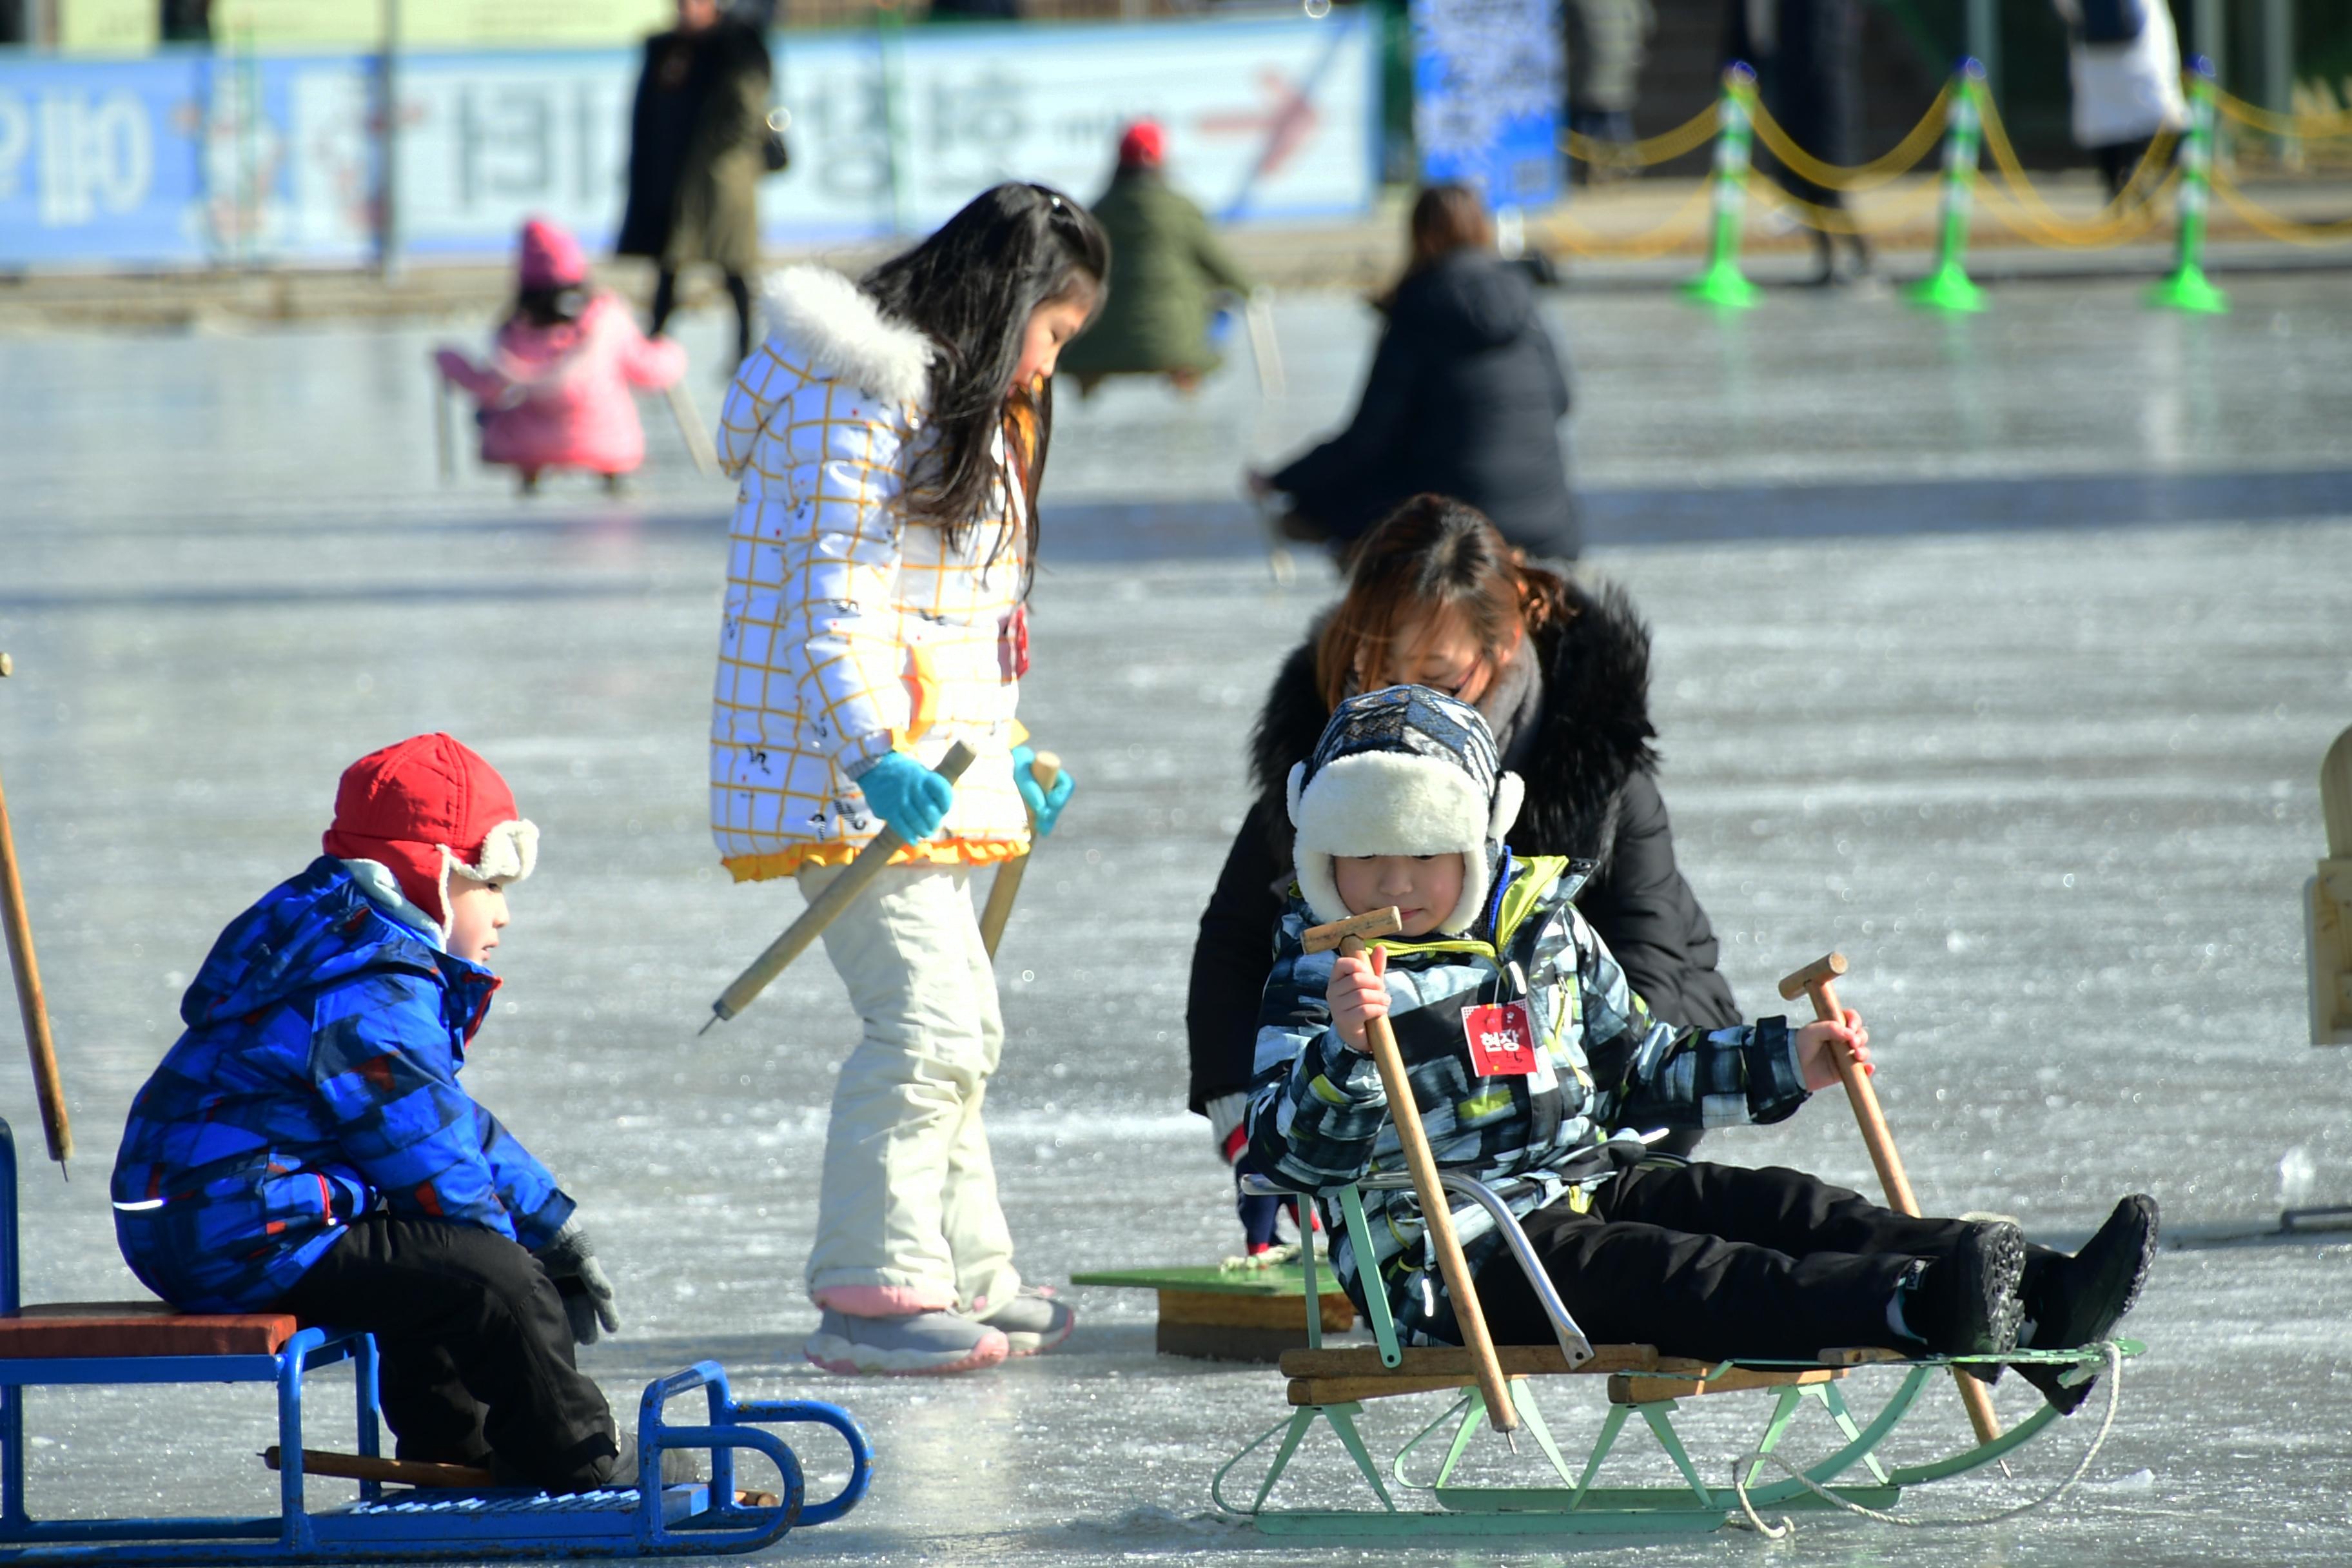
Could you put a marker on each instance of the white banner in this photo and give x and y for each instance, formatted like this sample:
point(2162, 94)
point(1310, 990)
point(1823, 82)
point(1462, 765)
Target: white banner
point(1267, 119)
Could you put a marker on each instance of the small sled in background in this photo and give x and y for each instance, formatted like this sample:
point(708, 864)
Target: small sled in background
point(116, 1343)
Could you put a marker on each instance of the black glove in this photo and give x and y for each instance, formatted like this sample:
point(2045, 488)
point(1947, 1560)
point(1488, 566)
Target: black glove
point(580, 1280)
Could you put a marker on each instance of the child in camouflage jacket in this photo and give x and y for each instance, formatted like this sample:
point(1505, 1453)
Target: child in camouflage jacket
point(1535, 1068)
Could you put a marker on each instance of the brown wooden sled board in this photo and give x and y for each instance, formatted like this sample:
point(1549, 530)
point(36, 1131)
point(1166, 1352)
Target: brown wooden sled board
point(1212, 1313)
point(1653, 1388)
point(61, 1328)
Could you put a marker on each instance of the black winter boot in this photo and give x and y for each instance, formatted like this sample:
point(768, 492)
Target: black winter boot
point(1967, 1303)
point(2078, 1300)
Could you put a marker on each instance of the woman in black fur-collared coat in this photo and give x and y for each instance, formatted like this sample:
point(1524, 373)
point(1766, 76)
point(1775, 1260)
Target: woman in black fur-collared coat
point(1562, 673)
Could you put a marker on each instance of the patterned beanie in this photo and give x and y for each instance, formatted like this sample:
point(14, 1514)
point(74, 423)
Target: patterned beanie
point(1401, 770)
point(425, 807)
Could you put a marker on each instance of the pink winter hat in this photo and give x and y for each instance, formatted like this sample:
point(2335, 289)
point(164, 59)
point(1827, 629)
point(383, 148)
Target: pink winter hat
point(425, 807)
point(552, 258)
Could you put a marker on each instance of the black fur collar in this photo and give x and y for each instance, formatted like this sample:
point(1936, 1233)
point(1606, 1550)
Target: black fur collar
point(1595, 735)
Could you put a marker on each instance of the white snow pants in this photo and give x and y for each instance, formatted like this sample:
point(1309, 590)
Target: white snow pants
point(906, 1214)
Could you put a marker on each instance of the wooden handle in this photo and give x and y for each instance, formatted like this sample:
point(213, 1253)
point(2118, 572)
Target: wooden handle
point(32, 1006)
point(1891, 1178)
point(1005, 886)
point(1437, 1217)
point(823, 910)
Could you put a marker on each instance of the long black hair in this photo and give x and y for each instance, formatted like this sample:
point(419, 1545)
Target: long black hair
point(972, 288)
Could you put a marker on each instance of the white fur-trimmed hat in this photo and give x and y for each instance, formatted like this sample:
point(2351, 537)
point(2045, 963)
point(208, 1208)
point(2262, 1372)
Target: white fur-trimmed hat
point(1401, 770)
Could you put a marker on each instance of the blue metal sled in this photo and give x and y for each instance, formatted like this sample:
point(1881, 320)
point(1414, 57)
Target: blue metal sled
point(387, 1523)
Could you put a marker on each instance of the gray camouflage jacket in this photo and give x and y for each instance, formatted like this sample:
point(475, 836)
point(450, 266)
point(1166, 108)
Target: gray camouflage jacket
point(1605, 1071)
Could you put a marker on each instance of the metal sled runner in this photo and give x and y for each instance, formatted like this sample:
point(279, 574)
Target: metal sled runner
point(113, 1343)
point(1329, 1387)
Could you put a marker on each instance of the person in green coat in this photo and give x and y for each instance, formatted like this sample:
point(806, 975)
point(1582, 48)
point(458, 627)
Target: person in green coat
point(1166, 268)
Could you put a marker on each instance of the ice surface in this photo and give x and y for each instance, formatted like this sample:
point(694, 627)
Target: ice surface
point(2051, 788)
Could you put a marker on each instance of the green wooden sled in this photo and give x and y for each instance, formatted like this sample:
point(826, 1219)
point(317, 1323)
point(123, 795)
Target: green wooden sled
point(1424, 1493)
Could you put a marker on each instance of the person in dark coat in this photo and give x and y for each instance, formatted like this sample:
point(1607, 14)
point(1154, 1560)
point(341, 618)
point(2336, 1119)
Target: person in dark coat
point(1166, 272)
point(695, 139)
point(1807, 60)
point(1465, 399)
point(1562, 672)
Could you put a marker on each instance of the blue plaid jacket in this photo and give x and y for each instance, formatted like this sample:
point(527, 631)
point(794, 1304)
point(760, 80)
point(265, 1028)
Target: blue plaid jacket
point(317, 1080)
point(1606, 1071)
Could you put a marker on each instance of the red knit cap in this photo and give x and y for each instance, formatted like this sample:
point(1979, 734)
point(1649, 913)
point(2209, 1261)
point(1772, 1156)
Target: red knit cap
point(1143, 146)
point(550, 258)
point(424, 807)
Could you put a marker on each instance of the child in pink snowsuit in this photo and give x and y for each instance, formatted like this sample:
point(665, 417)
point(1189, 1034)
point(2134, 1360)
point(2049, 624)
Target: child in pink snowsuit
point(555, 392)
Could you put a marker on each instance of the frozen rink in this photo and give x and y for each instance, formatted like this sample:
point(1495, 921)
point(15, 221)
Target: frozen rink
point(2000, 653)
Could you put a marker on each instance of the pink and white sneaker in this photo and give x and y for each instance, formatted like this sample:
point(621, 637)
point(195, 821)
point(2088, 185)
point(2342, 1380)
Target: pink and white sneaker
point(914, 1345)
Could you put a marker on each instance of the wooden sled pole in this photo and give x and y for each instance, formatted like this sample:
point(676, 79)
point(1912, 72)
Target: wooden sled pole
point(445, 444)
point(1005, 886)
point(1436, 1208)
point(420, 1473)
point(32, 1006)
point(690, 428)
point(1266, 350)
point(826, 906)
point(1815, 980)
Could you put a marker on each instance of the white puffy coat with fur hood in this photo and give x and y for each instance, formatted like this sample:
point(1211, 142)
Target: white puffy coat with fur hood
point(850, 631)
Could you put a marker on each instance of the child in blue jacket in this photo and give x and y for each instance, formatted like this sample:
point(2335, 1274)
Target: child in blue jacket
point(1535, 1068)
point(305, 1147)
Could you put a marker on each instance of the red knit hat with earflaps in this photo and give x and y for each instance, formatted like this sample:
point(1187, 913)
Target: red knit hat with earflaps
point(425, 807)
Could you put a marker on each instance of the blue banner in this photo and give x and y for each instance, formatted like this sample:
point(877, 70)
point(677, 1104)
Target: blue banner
point(192, 158)
point(1487, 76)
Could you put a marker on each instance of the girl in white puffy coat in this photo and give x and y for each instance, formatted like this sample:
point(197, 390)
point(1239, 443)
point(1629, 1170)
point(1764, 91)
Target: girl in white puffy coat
point(888, 436)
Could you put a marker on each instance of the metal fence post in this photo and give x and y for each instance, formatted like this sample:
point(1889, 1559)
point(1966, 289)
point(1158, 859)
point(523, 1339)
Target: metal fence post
point(388, 258)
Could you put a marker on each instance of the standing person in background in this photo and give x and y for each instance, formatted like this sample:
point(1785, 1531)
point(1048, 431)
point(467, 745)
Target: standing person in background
point(2123, 61)
point(1464, 399)
point(1808, 61)
point(695, 139)
point(1606, 42)
point(1166, 268)
point(889, 437)
point(1562, 672)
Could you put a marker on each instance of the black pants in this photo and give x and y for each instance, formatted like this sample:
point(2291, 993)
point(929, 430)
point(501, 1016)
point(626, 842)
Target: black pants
point(737, 291)
point(476, 1349)
point(1717, 1260)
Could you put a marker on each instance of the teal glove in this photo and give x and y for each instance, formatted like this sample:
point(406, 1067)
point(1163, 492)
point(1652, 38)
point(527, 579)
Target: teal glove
point(907, 795)
point(1044, 804)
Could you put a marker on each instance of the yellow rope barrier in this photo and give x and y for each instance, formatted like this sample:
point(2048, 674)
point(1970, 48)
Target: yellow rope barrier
point(2129, 224)
point(2308, 127)
point(2121, 218)
point(1917, 144)
point(1664, 147)
point(2134, 212)
point(1836, 220)
point(1676, 231)
point(2270, 225)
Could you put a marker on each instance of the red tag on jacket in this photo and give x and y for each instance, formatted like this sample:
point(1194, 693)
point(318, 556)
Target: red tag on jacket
point(1012, 646)
point(1502, 1042)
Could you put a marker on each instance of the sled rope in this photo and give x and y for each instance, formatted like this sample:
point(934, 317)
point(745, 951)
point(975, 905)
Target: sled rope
point(1788, 1527)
